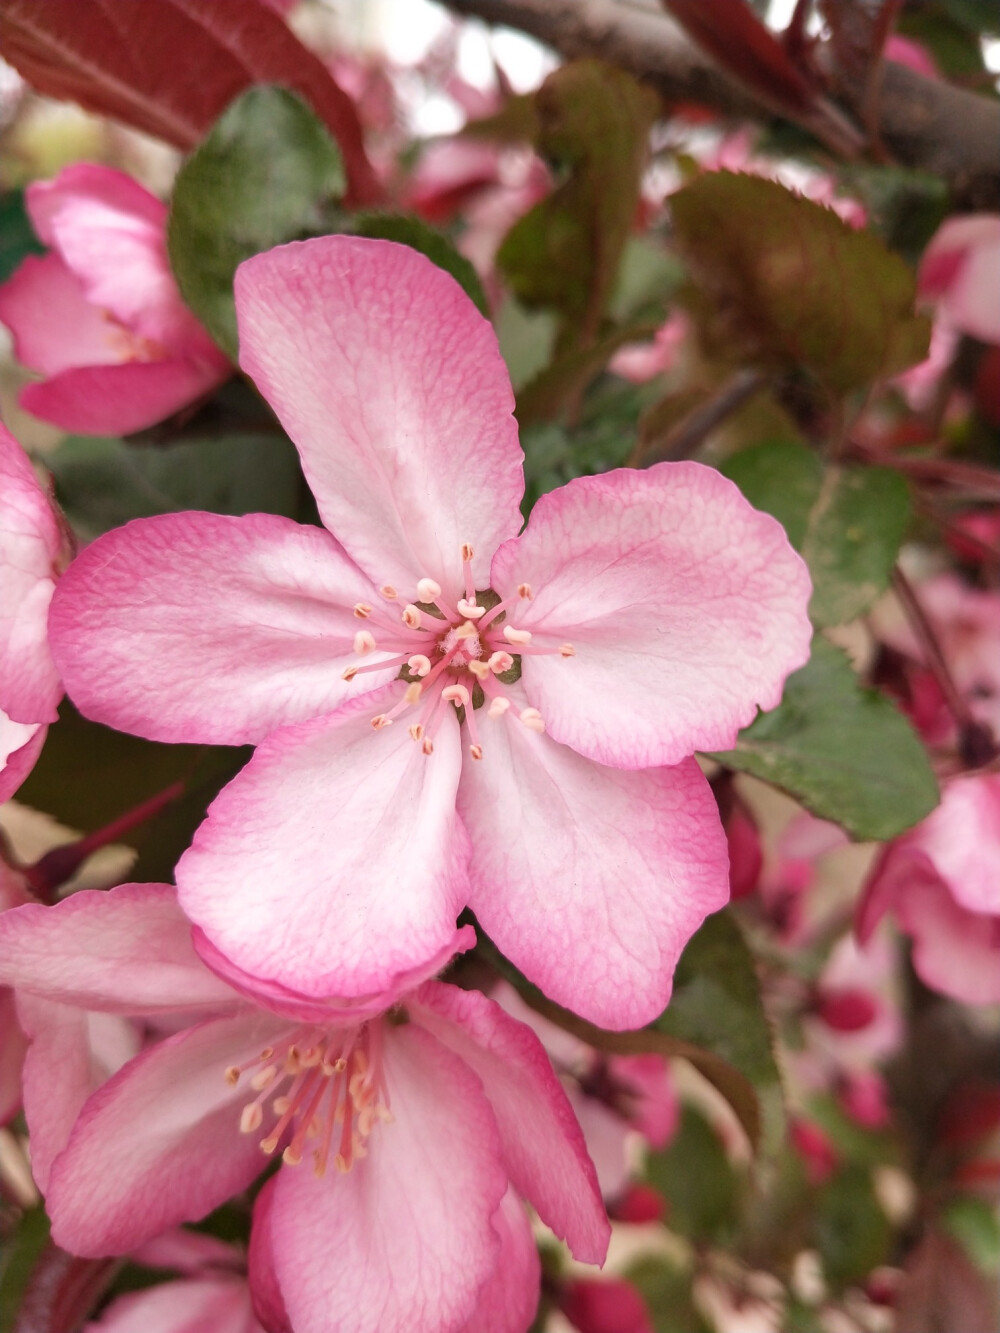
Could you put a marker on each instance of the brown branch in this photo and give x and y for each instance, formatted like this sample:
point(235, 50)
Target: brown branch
point(922, 122)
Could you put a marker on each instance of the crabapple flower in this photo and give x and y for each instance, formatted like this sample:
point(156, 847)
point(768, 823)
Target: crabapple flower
point(960, 271)
point(33, 550)
point(100, 316)
point(940, 882)
point(401, 1120)
point(447, 713)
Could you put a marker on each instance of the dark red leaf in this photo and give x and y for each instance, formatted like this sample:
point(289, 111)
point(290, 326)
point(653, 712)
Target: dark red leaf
point(170, 67)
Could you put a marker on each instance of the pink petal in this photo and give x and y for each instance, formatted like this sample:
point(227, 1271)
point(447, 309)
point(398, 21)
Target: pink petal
point(607, 1137)
point(54, 325)
point(72, 1053)
point(686, 607)
point(127, 950)
point(590, 879)
point(30, 550)
point(653, 1106)
point(961, 838)
point(20, 746)
point(265, 1292)
point(160, 1142)
point(284, 1000)
point(13, 1045)
point(189, 1252)
point(391, 384)
point(112, 234)
point(334, 861)
point(508, 1300)
point(205, 628)
point(117, 400)
point(961, 269)
point(404, 1241)
point(201, 1305)
point(543, 1148)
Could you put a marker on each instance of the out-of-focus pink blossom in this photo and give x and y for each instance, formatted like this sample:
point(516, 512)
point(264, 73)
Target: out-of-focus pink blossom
point(914, 55)
point(405, 1123)
point(960, 272)
point(211, 1295)
point(940, 882)
point(845, 1009)
point(33, 551)
point(864, 1096)
point(815, 1148)
point(608, 1305)
point(449, 713)
point(746, 855)
point(614, 1097)
point(640, 1203)
point(639, 362)
point(100, 316)
point(790, 871)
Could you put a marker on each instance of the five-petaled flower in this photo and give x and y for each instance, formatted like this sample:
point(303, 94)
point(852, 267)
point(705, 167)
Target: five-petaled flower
point(447, 713)
point(407, 1123)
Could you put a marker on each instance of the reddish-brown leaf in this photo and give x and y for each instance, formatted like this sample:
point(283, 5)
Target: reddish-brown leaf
point(170, 67)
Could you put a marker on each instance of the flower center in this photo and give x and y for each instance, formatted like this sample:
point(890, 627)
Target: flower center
point(327, 1087)
point(463, 655)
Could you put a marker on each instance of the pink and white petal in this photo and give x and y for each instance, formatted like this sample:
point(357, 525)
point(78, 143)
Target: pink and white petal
point(334, 861)
point(72, 1053)
point(20, 746)
point(159, 1143)
point(265, 1293)
point(608, 1138)
point(206, 628)
point(126, 950)
point(189, 1252)
point(508, 1300)
point(51, 203)
point(322, 1009)
point(543, 1147)
point(257, 606)
point(955, 951)
point(198, 1305)
point(119, 399)
point(30, 550)
point(53, 324)
point(13, 1044)
point(590, 879)
point(404, 1241)
point(687, 609)
point(392, 386)
point(961, 838)
point(653, 1106)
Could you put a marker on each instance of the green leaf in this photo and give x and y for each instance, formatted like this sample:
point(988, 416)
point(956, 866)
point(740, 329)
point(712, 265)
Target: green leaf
point(848, 523)
point(974, 1223)
point(102, 483)
point(267, 172)
point(852, 1233)
point(695, 1176)
point(17, 1261)
point(557, 389)
point(17, 236)
point(406, 229)
point(593, 126)
point(845, 752)
point(795, 284)
point(716, 1005)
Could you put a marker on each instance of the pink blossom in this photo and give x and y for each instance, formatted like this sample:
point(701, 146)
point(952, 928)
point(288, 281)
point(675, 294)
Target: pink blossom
point(914, 55)
point(402, 1122)
point(940, 882)
point(610, 1305)
point(639, 362)
point(100, 316)
point(960, 271)
point(534, 760)
point(211, 1295)
point(815, 1148)
point(32, 553)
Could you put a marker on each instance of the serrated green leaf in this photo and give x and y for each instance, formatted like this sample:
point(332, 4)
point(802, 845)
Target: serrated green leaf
point(406, 229)
point(103, 482)
point(845, 752)
point(796, 284)
point(593, 122)
point(267, 173)
point(695, 1176)
point(717, 1006)
point(848, 523)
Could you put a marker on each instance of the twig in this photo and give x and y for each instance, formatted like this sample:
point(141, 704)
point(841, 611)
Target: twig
point(684, 440)
point(923, 122)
